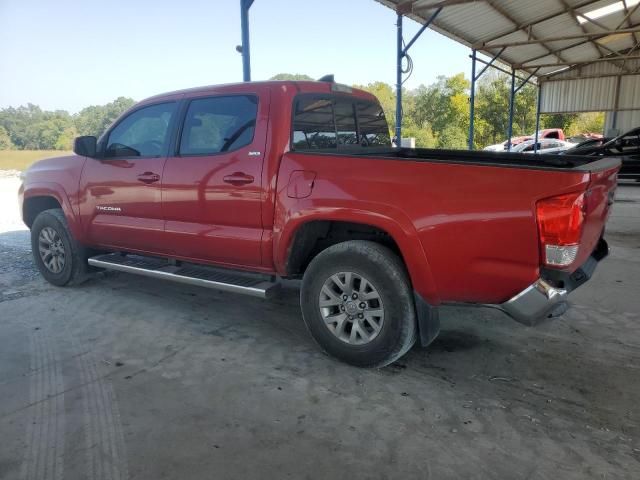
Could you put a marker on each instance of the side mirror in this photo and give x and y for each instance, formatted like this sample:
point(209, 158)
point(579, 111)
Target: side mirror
point(85, 146)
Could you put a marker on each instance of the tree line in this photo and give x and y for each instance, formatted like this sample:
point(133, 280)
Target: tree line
point(31, 128)
point(437, 116)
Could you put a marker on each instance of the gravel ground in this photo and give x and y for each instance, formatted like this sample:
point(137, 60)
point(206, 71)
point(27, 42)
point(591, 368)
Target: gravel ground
point(128, 377)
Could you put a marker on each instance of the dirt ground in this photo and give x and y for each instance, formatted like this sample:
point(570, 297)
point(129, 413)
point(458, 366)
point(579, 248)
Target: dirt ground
point(127, 377)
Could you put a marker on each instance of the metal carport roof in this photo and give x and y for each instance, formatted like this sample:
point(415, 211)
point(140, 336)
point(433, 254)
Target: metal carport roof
point(584, 54)
point(541, 36)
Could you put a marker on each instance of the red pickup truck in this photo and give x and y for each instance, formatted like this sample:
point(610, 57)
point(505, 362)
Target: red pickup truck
point(239, 186)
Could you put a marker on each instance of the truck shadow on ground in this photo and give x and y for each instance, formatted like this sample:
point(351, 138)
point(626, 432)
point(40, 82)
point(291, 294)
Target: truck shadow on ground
point(478, 352)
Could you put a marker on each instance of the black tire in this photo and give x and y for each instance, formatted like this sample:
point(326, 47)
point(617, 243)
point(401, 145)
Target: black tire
point(383, 270)
point(75, 269)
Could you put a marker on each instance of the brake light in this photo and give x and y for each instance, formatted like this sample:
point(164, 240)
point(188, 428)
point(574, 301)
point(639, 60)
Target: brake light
point(560, 222)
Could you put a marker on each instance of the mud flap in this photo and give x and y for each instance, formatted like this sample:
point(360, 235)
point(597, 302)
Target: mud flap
point(428, 320)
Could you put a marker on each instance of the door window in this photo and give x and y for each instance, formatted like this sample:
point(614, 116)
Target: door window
point(143, 133)
point(219, 124)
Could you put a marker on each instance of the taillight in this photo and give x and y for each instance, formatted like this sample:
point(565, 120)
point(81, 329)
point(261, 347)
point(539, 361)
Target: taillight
point(560, 221)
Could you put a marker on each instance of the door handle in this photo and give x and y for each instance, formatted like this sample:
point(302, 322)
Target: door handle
point(238, 178)
point(148, 177)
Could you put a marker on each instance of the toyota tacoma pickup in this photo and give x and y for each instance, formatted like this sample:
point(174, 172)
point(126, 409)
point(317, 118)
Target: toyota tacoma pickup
point(238, 187)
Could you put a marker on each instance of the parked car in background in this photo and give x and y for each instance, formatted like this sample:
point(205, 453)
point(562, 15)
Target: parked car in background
point(498, 147)
point(626, 147)
point(544, 146)
point(586, 137)
point(591, 142)
point(547, 133)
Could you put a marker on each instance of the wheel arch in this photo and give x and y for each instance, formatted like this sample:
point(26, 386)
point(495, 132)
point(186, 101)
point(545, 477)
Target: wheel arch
point(303, 239)
point(33, 206)
point(44, 196)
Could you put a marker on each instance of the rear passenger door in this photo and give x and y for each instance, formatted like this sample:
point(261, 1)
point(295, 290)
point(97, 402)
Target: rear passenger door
point(212, 187)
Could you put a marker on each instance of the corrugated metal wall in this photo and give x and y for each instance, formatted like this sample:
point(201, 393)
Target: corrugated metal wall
point(629, 92)
point(566, 94)
point(598, 95)
point(624, 122)
point(589, 94)
point(570, 91)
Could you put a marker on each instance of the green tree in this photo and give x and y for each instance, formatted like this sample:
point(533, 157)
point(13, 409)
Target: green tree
point(589, 122)
point(65, 139)
point(491, 110)
point(444, 107)
point(94, 120)
point(560, 120)
point(5, 140)
point(387, 98)
point(19, 122)
point(443, 103)
point(452, 136)
point(524, 114)
point(422, 133)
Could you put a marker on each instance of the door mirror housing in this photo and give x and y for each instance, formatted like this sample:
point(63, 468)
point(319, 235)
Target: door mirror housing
point(85, 146)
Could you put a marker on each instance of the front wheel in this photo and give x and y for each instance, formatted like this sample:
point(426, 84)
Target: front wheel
point(357, 303)
point(57, 255)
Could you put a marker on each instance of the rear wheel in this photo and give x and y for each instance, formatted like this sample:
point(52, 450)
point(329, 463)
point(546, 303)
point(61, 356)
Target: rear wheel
point(358, 305)
point(57, 255)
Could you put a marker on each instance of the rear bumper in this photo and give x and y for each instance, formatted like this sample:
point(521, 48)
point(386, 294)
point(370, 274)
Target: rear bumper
point(547, 297)
point(536, 302)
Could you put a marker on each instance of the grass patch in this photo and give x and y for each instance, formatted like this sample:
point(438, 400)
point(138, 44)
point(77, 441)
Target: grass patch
point(22, 159)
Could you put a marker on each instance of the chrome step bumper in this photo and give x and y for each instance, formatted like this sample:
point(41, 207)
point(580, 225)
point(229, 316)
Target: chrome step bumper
point(543, 300)
point(536, 302)
point(189, 274)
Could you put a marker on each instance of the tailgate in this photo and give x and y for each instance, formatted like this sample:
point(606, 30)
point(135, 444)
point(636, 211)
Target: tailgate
point(598, 201)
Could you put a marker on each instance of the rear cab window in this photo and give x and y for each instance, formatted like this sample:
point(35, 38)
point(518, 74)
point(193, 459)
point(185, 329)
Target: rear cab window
point(332, 122)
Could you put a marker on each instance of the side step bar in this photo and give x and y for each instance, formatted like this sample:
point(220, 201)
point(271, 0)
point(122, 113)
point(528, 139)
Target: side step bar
point(190, 274)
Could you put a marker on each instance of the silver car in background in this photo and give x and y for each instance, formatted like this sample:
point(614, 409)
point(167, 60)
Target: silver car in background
point(545, 145)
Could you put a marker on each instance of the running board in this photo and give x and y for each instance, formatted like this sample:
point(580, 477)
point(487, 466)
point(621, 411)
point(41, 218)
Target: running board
point(190, 274)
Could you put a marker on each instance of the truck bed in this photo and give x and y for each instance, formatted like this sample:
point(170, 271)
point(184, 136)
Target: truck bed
point(473, 214)
point(506, 159)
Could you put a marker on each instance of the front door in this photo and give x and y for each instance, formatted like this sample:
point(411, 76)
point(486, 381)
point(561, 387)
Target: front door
point(121, 202)
point(212, 188)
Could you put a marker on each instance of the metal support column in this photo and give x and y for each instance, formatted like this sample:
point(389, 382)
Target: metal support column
point(245, 5)
point(511, 108)
point(614, 121)
point(472, 98)
point(399, 56)
point(474, 79)
point(535, 141)
point(401, 52)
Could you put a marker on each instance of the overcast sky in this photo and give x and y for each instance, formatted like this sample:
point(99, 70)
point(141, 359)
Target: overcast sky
point(67, 54)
